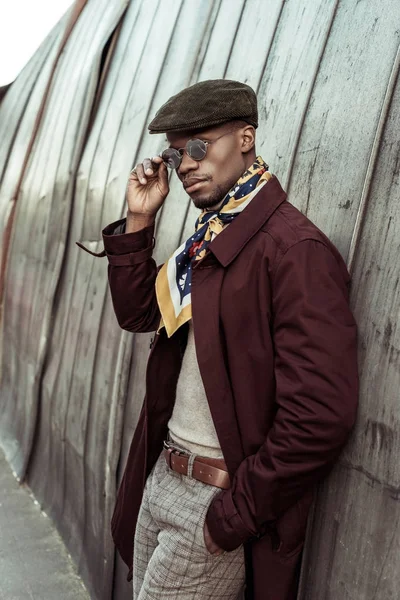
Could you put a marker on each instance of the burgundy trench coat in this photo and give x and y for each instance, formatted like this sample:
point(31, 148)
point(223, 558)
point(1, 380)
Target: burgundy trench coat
point(276, 346)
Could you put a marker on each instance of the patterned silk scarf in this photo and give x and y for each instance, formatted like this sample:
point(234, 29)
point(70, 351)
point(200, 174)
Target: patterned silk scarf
point(173, 281)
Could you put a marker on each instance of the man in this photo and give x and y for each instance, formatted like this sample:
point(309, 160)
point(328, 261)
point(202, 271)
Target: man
point(252, 378)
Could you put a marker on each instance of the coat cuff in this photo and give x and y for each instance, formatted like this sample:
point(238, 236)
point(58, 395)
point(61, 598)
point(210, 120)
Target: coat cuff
point(225, 524)
point(136, 247)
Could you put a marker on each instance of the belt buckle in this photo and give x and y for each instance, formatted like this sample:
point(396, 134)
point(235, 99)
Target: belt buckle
point(167, 446)
point(171, 451)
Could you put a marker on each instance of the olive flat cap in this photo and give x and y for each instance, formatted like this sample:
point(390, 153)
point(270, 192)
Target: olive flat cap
point(205, 104)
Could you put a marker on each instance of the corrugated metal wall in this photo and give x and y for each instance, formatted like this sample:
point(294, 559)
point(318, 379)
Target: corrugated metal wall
point(72, 383)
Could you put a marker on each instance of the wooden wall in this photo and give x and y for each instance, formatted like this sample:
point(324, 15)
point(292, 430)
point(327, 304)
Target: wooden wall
point(72, 126)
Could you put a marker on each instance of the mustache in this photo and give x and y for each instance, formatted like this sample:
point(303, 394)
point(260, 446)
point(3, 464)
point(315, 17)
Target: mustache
point(192, 180)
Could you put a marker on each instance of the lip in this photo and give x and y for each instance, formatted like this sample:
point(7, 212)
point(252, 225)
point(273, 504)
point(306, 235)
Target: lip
point(192, 187)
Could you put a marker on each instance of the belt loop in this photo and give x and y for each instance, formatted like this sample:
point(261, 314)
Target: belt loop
point(191, 460)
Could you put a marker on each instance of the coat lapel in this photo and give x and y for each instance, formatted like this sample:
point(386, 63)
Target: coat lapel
point(227, 245)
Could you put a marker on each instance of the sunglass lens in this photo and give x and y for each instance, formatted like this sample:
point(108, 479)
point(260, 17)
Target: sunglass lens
point(171, 158)
point(196, 149)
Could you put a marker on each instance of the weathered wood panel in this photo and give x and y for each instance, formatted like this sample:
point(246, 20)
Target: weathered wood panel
point(255, 44)
point(72, 382)
point(288, 79)
point(38, 246)
point(340, 124)
point(29, 81)
point(17, 123)
point(355, 544)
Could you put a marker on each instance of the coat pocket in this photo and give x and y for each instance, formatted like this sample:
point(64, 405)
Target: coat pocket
point(289, 531)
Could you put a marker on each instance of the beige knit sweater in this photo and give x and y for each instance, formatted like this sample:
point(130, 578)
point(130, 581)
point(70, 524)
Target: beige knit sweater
point(191, 425)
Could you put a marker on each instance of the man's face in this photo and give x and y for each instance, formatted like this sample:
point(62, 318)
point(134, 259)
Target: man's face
point(207, 181)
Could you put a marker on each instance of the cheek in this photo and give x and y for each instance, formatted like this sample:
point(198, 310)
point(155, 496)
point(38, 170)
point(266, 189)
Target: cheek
point(216, 169)
point(222, 166)
point(230, 160)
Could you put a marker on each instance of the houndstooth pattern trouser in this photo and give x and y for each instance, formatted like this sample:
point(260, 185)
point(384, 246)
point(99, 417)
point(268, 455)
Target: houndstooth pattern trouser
point(171, 561)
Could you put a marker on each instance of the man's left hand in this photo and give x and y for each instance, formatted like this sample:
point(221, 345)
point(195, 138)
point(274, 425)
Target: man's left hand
point(209, 542)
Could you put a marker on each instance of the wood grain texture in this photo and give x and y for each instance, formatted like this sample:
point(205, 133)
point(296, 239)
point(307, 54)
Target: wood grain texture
point(343, 114)
point(34, 269)
point(72, 382)
point(361, 500)
point(284, 90)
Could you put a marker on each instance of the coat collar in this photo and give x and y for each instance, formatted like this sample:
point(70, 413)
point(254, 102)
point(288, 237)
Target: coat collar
point(227, 245)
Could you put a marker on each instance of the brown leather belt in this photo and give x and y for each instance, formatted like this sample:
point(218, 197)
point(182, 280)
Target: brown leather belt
point(207, 470)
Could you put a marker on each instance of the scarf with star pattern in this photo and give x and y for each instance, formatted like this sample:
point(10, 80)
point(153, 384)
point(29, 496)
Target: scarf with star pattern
point(173, 281)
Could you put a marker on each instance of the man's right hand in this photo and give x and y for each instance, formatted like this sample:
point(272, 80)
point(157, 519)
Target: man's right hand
point(146, 192)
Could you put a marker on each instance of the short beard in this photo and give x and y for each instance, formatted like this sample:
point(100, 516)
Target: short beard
point(218, 194)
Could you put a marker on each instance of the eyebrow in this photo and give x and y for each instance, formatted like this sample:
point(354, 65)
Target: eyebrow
point(205, 138)
point(170, 145)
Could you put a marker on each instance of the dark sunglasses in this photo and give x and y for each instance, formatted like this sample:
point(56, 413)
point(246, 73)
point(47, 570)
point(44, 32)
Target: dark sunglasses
point(195, 148)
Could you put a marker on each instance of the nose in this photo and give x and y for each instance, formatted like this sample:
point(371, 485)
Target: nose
point(187, 164)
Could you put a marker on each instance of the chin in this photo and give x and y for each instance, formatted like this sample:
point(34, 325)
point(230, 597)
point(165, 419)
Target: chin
point(210, 200)
point(203, 202)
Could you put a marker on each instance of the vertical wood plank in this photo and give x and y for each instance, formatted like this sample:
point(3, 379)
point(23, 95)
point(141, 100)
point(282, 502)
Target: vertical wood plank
point(339, 127)
point(355, 542)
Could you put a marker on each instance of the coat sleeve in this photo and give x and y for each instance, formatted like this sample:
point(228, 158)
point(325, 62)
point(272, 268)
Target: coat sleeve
point(131, 275)
point(314, 337)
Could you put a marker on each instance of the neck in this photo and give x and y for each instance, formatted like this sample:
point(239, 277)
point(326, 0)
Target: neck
point(250, 160)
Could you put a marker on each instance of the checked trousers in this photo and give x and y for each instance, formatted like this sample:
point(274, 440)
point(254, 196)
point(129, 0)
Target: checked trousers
point(171, 561)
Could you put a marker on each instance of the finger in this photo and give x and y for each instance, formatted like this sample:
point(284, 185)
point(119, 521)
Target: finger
point(148, 166)
point(216, 549)
point(140, 173)
point(162, 180)
point(157, 164)
point(211, 545)
point(162, 172)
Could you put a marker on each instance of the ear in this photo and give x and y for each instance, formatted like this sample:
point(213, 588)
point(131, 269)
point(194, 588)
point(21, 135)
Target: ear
point(248, 138)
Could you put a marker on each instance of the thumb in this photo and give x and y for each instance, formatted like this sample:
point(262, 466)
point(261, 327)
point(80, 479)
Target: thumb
point(162, 171)
point(163, 176)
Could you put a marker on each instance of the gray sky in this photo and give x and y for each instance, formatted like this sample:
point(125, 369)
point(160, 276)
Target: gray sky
point(24, 24)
